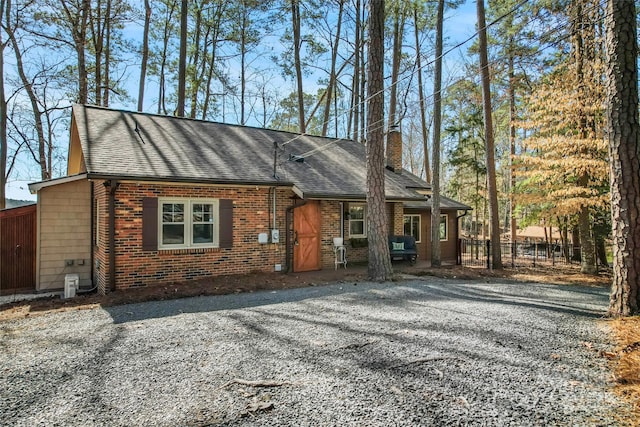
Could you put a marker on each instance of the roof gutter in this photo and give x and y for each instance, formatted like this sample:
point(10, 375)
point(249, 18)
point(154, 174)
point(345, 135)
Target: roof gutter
point(348, 197)
point(109, 177)
point(34, 187)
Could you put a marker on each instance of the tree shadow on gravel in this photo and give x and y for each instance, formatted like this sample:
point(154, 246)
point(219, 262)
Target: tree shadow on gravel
point(438, 354)
point(203, 304)
point(508, 294)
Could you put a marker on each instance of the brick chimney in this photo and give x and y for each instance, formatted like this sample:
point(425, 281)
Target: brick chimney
point(394, 149)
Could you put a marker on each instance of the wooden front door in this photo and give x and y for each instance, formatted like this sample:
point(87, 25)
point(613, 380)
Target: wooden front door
point(18, 249)
point(306, 237)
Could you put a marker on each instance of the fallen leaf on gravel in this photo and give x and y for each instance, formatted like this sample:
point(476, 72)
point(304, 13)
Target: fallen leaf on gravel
point(258, 383)
point(255, 407)
point(463, 401)
point(396, 390)
point(608, 354)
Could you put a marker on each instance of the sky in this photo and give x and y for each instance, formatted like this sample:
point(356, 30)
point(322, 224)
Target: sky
point(459, 25)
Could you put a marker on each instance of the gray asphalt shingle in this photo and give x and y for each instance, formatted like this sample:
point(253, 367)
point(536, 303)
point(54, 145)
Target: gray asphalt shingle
point(144, 146)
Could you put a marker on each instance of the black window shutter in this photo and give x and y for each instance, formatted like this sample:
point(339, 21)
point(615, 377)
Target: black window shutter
point(149, 224)
point(226, 223)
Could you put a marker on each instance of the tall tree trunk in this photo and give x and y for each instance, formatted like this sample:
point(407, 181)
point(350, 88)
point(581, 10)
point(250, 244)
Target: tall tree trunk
point(395, 67)
point(210, 72)
point(79, 35)
point(332, 74)
point(363, 78)
point(423, 117)
point(587, 249)
point(97, 36)
point(437, 117)
point(80, 38)
point(219, 11)
point(496, 253)
point(377, 226)
point(243, 59)
point(182, 67)
point(512, 145)
point(295, 20)
point(168, 26)
point(194, 79)
point(33, 99)
point(3, 116)
point(106, 84)
point(145, 54)
point(355, 110)
point(623, 131)
point(587, 252)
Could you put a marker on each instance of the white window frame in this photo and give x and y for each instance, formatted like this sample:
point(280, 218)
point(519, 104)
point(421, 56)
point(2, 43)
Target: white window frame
point(446, 227)
point(419, 240)
point(363, 220)
point(188, 223)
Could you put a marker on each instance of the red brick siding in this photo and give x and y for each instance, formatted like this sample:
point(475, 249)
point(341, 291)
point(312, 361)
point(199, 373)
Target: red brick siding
point(252, 214)
point(397, 226)
point(330, 226)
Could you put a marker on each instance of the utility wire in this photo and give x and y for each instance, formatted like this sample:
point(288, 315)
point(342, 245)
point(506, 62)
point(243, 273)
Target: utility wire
point(494, 62)
point(460, 44)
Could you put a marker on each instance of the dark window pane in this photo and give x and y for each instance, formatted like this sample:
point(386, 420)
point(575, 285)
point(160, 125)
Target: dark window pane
point(357, 227)
point(202, 233)
point(172, 234)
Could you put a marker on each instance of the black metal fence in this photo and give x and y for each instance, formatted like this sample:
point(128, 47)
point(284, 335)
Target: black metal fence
point(478, 253)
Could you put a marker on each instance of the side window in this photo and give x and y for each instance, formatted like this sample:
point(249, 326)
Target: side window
point(444, 227)
point(357, 220)
point(188, 223)
point(172, 228)
point(412, 226)
point(202, 224)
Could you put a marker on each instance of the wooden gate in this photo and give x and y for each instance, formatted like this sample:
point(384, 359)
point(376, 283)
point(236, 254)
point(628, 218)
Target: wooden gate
point(306, 237)
point(18, 249)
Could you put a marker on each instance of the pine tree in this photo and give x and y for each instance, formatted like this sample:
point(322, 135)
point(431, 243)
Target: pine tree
point(379, 258)
point(624, 140)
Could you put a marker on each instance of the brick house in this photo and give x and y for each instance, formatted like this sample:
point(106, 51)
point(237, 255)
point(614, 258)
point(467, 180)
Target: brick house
point(151, 199)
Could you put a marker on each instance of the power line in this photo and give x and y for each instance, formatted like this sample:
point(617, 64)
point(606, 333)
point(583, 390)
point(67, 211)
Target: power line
point(460, 44)
point(494, 62)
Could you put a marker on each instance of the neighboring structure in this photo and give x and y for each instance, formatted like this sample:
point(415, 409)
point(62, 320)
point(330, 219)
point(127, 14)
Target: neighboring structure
point(18, 249)
point(151, 199)
point(535, 234)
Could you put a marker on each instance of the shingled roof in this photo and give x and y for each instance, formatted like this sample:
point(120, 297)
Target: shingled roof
point(139, 146)
point(445, 203)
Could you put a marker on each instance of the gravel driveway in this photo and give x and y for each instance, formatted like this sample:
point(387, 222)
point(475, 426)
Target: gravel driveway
point(415, 353)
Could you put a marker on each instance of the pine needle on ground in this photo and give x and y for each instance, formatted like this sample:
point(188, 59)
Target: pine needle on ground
point(626, 367)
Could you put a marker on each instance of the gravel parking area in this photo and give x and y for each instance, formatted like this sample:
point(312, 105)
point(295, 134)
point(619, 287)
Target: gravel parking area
point(415, 353)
